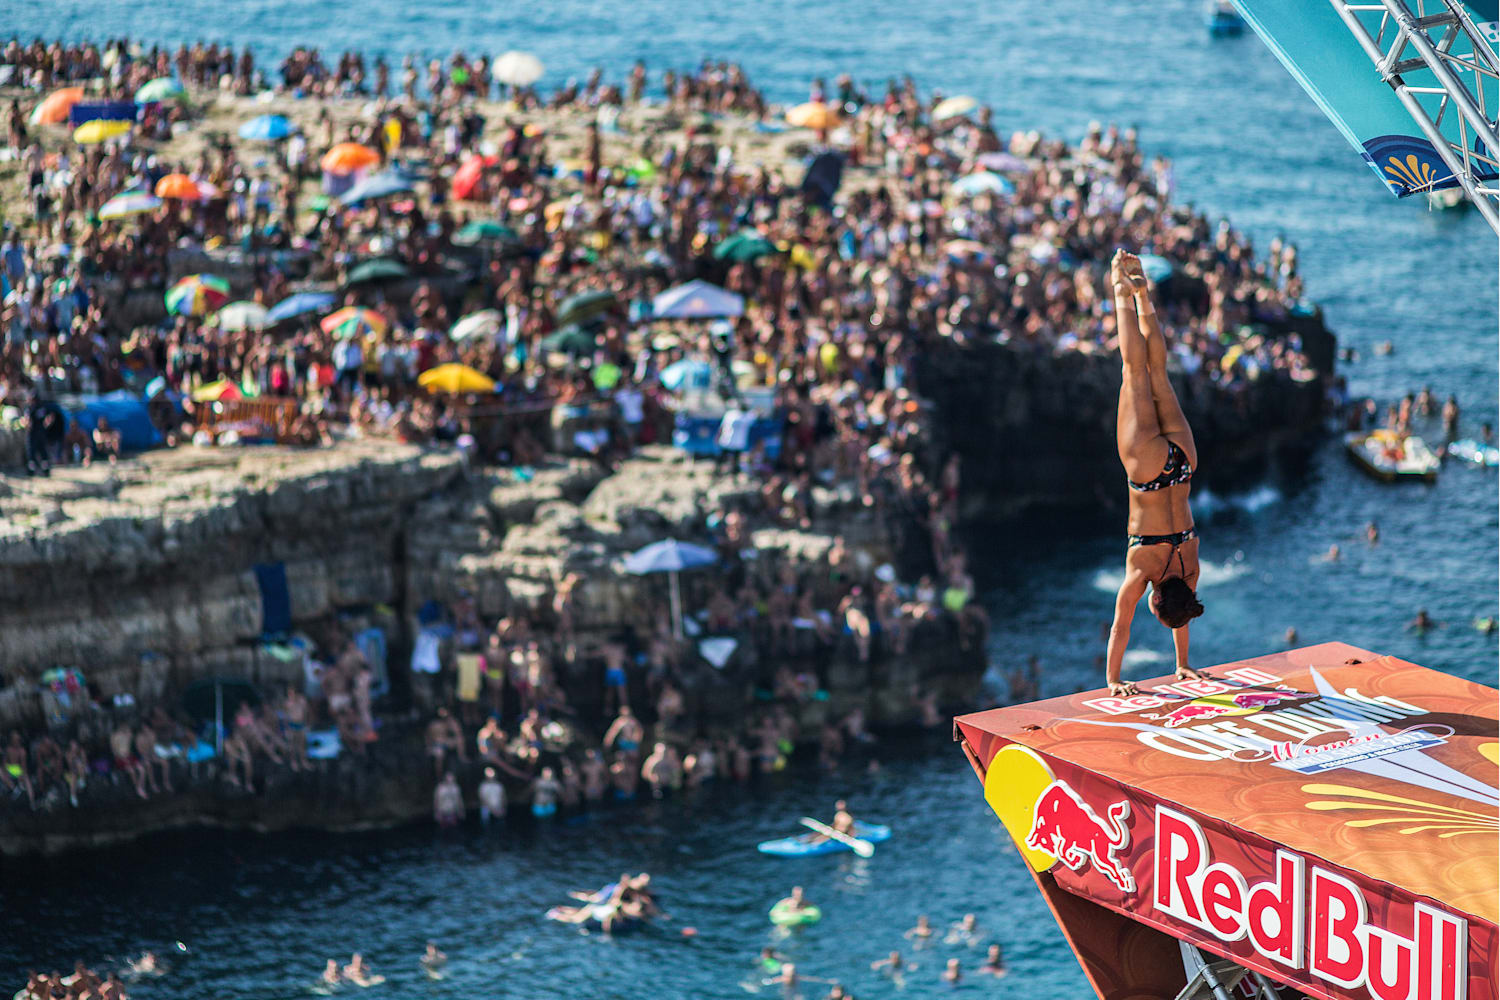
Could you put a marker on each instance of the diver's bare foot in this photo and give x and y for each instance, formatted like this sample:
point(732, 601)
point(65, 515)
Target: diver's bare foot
point(1190, 674)
point(1131, 271)
point(1124, 689)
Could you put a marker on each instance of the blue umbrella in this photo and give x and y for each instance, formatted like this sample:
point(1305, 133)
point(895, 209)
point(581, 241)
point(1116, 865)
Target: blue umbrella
point(300, 304)
point(671, 557)
point(696, 300)
point(267, 128)
point(1157, 268)
point(381, 185)
point(983, 182)
point(687, 372)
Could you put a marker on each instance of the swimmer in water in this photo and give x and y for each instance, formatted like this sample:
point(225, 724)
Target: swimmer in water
point(1422, 622)
point(952, 974)
point(147, 965)
point(358, 971)
point(770, 960)
point(891, 964)
point(1291, 635)
point(796, 902)
point(1156, 447)
point(331, 974)
point(433, 960)
point(994, 964)
point(1333, 553)
point(966, 931)
point(922, 931)
point(1372, 533)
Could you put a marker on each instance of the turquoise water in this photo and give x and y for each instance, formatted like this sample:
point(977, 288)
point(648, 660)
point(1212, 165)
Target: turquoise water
point(260, 915)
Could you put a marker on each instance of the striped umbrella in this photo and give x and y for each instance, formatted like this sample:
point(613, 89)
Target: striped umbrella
point(129, 203)
point(352, 321)
point(486, 322)
point(54, 108)
point(163, 88)
point(218, 391)
point(197, 295)
point(94, 132)
point(241, 316)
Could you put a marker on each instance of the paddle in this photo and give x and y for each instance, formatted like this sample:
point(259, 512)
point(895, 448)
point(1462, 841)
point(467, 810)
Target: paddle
point(861, 847)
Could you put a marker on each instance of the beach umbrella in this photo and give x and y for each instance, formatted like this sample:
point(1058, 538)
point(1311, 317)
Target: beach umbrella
point(455, 379)
point(953, 107)
point(585, 306)
point(94, 132)
point(163, 88)
point(299, 305)
point(687, 373)
point(696, 300)
point(484, 323)
point(961, 250)
point(745, 245)
point(1001, 161)
point(218, 391)
point(267, 128)
point(347, 157)
point(183, 188)
point(814, 115)
point(381, 185)
point(671, 557)
point(352, 321)
point(197, 295)
point(982, 182)
point(485, 230)
point(570, 340)
point(54, 108)
point(241, 316)
point(1156, 267)
point(518, 69)
point(374, 271)
point(129, 203)
point(466, 178)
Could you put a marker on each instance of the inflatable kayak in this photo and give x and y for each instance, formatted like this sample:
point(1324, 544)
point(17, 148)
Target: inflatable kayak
point(808, 844)
point(785, 916)
point(1470, 450)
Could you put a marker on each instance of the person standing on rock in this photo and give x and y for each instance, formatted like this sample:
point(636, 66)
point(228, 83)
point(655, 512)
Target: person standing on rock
point(1157, 449)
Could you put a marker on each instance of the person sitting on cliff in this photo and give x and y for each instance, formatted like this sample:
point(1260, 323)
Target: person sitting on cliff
point(294, 718)
point(145, 749)
point(238, 755)
point(122, 746)
point(1157, 449)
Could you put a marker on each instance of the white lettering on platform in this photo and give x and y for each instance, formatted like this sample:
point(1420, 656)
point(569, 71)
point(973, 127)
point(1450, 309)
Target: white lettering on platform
point(1307, 919)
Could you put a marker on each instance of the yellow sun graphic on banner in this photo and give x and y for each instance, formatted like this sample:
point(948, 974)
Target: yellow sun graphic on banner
point(1013, 782)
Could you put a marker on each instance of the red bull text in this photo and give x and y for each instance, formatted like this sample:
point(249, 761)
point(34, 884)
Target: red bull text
point(1308, 919)
point(1067, 828)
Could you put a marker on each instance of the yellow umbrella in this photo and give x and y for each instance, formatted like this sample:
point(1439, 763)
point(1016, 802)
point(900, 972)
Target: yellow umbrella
point(814, 115)
point(953, 107)
point(94, 132)
point(455, 379)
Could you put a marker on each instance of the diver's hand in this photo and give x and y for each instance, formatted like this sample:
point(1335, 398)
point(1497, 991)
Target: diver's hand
point(1123, 689)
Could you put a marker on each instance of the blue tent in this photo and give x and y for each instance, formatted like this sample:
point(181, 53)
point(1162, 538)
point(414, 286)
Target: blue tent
point(696, 300)
point(126, 413)
point(300, 304)
point(381, 185)
point(267, 128)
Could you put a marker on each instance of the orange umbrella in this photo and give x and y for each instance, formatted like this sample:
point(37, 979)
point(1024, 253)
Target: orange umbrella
point(466, 178)
point(814, 115)
point(55, 107)
point(347, 157)
point(179, 186)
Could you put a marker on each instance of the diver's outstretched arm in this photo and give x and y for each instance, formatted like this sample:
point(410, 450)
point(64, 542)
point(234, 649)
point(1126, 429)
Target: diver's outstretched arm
point(1126, 600)
point(1180, 647)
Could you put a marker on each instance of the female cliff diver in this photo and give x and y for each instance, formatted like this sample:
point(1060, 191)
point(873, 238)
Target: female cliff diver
point(1156, 447)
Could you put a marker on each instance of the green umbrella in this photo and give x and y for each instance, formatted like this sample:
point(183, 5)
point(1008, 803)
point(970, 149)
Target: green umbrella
point(570, 340)
point(318, 202)
point(486, 230)
point(745, 245)
point(163, 88)
point(377, 270)
point(585, 306)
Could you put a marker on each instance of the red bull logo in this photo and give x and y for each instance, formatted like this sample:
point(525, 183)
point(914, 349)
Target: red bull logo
point(1067, 828)
point(1193, 710)
point(1215, 705)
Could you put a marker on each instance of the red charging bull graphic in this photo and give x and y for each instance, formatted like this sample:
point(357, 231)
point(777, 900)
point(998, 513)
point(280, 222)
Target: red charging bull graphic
point(1183, 714)
point(1067, 828)
point(1214, 706)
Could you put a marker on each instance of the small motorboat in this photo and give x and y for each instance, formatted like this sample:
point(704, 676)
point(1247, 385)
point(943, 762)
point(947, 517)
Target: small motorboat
point(1392, 457)
point(1222, 20)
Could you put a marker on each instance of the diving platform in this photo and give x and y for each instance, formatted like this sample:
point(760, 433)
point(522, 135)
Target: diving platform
point(1320, 822)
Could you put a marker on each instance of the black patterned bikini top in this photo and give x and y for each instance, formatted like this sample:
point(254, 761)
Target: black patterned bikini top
point(1178, 470)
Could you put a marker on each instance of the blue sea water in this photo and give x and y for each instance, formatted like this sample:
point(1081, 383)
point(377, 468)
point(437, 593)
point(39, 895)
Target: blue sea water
point(260, 915)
